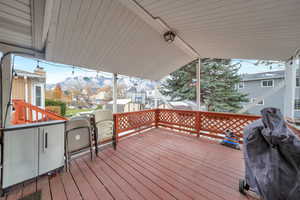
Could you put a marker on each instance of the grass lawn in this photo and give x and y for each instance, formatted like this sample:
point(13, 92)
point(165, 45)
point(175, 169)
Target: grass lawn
point(72, 112)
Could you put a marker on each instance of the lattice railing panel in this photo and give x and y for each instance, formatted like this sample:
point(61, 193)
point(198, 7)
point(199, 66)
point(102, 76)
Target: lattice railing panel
point(219, 122)
point(133, 120)
point(210, 124)
point(182, 118)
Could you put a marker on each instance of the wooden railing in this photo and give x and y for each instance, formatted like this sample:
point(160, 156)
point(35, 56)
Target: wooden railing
point(209, 124)
point(27, 113)
point(132, 122)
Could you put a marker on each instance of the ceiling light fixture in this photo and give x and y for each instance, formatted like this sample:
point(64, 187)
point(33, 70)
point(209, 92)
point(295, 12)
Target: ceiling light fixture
point(169, 36)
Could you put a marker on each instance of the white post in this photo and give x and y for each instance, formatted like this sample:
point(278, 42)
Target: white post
point(26, 89)
point(5, 93)
point(156, 95)
point(198, 90)
point(290, 88)
point(115, 92)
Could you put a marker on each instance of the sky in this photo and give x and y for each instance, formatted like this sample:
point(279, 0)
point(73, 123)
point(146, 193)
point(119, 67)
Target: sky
point(57, 72)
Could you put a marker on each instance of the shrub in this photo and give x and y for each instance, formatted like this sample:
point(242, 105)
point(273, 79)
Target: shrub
point(99, 107)
point(50, 102)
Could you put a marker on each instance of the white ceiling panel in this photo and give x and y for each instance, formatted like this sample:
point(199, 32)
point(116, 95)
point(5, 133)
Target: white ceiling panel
point(256, 29)
point(15, 22)
point(125, 36)
point(105, 35)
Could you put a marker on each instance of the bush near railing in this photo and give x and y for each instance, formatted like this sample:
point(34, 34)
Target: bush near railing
point(54, 109)
point(210, 124)
point(51, 102)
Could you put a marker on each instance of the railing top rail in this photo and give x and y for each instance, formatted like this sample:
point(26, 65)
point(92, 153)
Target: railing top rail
point(19, 102)
point(135, 112)
point(215, 113)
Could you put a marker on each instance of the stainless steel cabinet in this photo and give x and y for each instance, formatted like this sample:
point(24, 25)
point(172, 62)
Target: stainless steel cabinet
point(31, 151)
point(20, 156)
point(51, 151)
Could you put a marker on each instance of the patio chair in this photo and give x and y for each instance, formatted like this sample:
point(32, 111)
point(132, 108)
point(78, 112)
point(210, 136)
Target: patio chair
point(78, 138)
point(104, 127)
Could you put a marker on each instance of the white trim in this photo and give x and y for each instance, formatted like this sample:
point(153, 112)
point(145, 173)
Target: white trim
point(33, 96)
point(26, 88)
point(198, 88)
point(243, 85)
point(261, 83)
point(115, 93)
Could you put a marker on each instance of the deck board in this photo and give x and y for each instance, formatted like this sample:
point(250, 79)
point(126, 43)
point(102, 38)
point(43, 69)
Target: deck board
point(43, 185)
point(113, 188)
point(70, 187)
point(82, 184)
point(143, 190)
point(157, 164)
point(162, 194)
point(97, 186)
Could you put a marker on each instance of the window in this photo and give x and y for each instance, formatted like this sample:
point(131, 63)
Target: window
point(241, 85)
point(267, 83)
point(297, 104)
point(298, 82)
point(259, 103)
point(38, 95)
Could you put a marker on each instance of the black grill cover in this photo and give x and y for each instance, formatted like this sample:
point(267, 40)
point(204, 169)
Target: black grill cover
point(272, 157)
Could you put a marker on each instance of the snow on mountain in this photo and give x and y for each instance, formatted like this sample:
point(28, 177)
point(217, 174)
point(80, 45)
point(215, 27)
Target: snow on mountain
point(81, 82)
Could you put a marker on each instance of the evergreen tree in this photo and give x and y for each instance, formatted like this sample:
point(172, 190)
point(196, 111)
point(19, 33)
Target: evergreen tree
point(218, 85)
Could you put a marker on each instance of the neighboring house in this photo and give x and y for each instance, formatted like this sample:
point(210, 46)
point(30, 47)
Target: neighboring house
point(269, 87)
point(124, 105)
point(180, 105)
point(30, 86)
point(104, 94)
point(137, 96)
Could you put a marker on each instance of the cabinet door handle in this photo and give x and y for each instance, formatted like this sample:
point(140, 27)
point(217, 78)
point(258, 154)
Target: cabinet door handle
point(46, 141)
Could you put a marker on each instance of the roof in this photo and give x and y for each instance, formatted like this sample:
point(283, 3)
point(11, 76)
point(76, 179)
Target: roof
point(121, 101)
point(126, 36)
point(28, 74)
point(265, 75)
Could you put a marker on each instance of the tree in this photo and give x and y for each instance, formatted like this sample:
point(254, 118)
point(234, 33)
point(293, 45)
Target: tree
point(57, 92)
point(218, 85)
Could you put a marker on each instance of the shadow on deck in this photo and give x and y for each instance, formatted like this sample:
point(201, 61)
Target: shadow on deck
point(156, 164)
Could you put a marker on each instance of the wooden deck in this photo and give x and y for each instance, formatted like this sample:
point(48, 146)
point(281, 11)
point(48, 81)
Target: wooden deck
point(157, 164)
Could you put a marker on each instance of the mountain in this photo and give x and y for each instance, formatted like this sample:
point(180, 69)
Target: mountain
point(81, 82)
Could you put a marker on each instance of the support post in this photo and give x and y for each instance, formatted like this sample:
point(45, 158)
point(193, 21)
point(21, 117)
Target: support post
point(5, 78)
point(156, 96)
point(198, 123)
point(115, 132)
point(290, 88)
point(115, 92)
point(198, 90)
point(156, 117)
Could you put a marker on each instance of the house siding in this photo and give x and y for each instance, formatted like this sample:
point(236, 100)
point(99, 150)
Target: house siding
point(254, 90)
point(18, 88)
